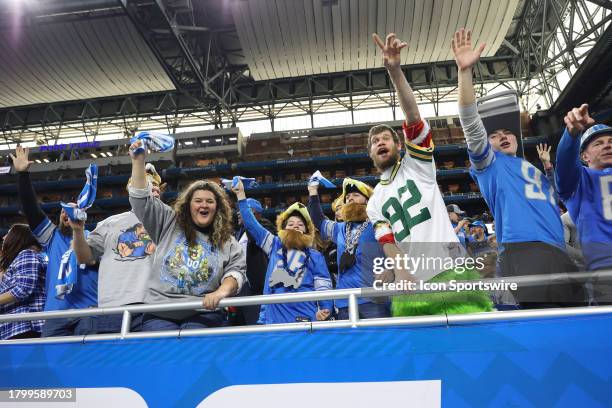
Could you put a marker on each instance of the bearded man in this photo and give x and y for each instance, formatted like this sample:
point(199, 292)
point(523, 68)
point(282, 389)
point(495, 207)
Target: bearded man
point(407, 210)
point(357, 246)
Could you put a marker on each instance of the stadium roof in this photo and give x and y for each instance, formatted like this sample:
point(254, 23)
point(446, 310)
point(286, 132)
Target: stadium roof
point(295, 37)
point(102, 67)
point(72, 60)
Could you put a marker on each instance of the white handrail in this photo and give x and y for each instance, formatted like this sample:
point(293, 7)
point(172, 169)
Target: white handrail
point(353, 305)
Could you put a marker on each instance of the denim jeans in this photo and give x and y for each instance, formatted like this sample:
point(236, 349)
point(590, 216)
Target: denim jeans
point(367, 311)
point(73, 326)
point(112, 323)
point(199, 321)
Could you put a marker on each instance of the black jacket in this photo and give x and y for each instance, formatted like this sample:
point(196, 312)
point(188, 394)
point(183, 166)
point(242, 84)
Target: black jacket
point(256, 259)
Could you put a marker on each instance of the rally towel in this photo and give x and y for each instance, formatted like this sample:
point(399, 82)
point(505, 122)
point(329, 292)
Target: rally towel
point(317, 178)
point(87, 196)
point(67, 275)
point(156, 141)
point(246, 181)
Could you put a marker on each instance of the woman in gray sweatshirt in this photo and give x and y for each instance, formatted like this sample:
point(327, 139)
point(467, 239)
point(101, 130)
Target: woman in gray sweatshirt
point(197, 258)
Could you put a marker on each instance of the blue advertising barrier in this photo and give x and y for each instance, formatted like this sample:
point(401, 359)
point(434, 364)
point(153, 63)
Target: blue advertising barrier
point(548, 362)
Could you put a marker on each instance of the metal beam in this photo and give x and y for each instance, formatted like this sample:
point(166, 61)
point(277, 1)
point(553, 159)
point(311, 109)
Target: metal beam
point(607, 4)
point(217, 93)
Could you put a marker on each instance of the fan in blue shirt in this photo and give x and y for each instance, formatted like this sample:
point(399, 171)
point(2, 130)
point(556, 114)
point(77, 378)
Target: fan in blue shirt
point(356, 243)
point(527, 220)
point(55, 240)
point(293, 266)
point(587, 189)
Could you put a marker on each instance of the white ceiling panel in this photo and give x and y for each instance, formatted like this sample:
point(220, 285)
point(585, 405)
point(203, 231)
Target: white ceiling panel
point(67, 61)
point(284, 38)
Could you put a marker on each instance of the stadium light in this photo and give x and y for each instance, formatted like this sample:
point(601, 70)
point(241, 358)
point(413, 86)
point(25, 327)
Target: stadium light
point(103, 154)
point(109, 154)
point(188, 142)
point(217, 140)
point(206, 141)
point(94, 156)
point(46, 160)
point(37, 161)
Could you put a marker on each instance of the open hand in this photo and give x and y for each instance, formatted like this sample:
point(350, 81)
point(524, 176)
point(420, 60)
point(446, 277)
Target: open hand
point(20, 159)
point(465, 56)
point(543, 152)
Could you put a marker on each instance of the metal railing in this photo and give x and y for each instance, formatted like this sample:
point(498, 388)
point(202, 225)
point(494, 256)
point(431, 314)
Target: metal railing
point(353, 312)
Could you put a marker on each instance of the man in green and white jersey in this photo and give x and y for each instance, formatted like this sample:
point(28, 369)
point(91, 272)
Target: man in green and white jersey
point(407, 209)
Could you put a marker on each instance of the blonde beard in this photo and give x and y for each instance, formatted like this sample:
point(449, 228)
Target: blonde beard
point(353, 212)
point(293, 239)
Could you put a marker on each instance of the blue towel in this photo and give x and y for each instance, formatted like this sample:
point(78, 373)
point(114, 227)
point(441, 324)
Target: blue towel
point(87, 196)
point(247, 182)
point(68, 274)
point(156, 141)
point(317, 178)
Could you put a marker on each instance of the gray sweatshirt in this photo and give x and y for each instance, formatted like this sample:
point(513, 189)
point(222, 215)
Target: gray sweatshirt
point(126, 254)
point(180, 272)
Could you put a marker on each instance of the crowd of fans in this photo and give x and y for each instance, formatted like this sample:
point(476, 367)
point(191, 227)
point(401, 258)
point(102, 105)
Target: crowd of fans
point(212, 243)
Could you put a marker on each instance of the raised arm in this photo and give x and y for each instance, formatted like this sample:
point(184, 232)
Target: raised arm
point(81, 248)
point(27, 197)
point(156, 217)
point(569, 166)
point(321, 222)
point(479, 149)
point(549, 170)
point(263, 238)
point(391, 49)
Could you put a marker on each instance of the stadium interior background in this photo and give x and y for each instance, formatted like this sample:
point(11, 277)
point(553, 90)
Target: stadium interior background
point(275, 103)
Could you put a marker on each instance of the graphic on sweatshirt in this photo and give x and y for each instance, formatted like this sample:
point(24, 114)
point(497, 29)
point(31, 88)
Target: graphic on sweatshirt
point(187, 269)
point(134, 243)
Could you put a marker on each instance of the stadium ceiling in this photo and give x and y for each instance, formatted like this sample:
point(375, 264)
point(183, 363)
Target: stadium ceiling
point(97, 67)
point(47, 63)
point(294, 38)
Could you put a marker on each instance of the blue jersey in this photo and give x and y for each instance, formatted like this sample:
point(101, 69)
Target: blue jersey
point(55, 244)
point(288, 271)
point(521, 198)
point(360, 275)
point(587, 194)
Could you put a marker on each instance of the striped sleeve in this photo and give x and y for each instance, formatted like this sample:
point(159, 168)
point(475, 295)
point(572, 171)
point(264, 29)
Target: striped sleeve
point(328, 230)
point(263, 238)
point(418, 138)
point(44, 232)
